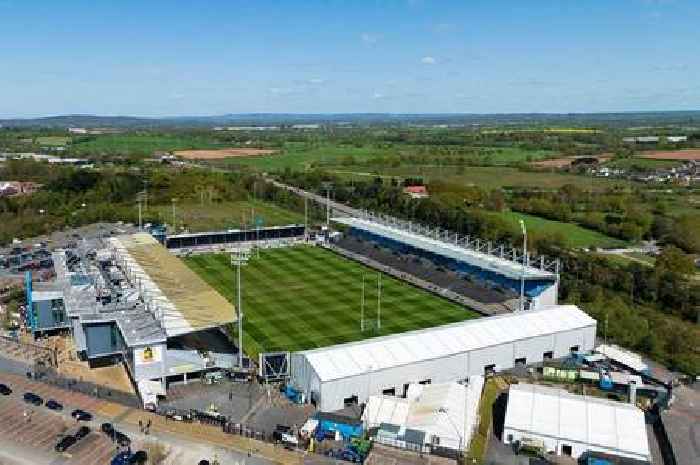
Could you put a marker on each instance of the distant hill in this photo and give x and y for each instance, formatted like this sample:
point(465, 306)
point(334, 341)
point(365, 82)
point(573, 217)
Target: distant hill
point(516, 119)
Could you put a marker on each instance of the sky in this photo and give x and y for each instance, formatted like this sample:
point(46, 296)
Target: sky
point(173, 58)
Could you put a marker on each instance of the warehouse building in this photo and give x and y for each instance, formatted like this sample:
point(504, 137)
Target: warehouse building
point(337, 376)
point(574, 425)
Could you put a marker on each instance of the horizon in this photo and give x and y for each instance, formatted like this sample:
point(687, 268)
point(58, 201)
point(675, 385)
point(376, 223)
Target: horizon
point(159, 60)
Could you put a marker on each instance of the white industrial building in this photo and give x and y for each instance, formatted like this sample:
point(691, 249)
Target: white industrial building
point(336, 376)
point(432, 415)
point(570, 424)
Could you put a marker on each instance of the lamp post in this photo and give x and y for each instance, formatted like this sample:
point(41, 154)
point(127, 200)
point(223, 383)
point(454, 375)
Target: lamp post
point(240, 258)
point(522, 276)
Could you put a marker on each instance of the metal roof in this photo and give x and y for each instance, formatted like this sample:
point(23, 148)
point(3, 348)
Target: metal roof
point(496, 264)
point(556, 413)
point(623, 357)
point(371, 355)
point(177, 295)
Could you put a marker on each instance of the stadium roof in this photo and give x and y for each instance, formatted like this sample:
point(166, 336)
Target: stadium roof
point(186, 302)
point(370, 355)
point(232, 231)
point(600, 423)
point(503, 266)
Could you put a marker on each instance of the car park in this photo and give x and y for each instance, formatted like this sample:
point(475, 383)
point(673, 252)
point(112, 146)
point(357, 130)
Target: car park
point(65, 443)
point(32, 398)
point(81, 415)
point(5, 390)
point(82, 432)
point(53, 405)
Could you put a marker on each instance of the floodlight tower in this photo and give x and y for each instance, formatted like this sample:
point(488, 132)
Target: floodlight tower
point(522, 275)
point(240, 258)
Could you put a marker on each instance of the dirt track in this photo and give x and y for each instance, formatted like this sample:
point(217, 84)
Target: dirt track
point(222, 153)
point(692, 154)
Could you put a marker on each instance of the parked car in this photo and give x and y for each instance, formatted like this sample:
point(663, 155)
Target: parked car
point(65, 443)
point(107, 428)
point(82, 432)
point(81, 415)
point(53, 405)
point(122, 439)
point(5, 390)
point(138, 458)
point(32, 398)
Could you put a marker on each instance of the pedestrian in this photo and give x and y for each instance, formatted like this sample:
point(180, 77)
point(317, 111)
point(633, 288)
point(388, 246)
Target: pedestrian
point(230, 395)
point(141, 426)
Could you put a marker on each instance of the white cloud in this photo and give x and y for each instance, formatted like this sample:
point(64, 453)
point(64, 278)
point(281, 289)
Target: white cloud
point(316, 81)
point(377, 96)
point(428, 60)
point(369, 38)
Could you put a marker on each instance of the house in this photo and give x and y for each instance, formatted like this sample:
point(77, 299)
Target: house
point(416, 192)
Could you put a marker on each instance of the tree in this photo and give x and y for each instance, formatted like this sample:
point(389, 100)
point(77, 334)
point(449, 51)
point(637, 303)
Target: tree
point(673, 260)
point(686, 233)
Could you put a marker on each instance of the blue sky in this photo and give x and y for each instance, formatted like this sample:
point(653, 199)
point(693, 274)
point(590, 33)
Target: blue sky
point(173, 57)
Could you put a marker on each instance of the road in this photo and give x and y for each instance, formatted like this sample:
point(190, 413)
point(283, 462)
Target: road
point(340, 207)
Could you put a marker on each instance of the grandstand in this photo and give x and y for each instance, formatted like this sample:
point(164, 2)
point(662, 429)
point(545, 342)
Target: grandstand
point(470, 267)
point(234, 236)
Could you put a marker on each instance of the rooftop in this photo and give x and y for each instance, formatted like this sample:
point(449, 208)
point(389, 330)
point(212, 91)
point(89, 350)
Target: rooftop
point(494, 263)
point(682, 424)
point(177, 295)
point(355, 358)
point(599, 423)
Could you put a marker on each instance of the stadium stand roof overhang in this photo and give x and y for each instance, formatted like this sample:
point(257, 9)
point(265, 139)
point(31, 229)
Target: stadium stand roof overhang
point(502, 266)
point(184, 301)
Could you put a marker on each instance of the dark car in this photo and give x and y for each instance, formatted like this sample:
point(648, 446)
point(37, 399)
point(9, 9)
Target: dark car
point(32, 398)
point(139, 458)
point(107, 428)
point(81, 415)
point(65, 443)
point(122, 439)
point(82, 432)
point(5, 390)
point(53, 405)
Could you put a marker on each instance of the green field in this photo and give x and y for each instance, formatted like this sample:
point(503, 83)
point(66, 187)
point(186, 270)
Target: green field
point(488, 177)
point(297, 155)
point(574, 235)
point(197, 216)
point(305, 297)
point(141, 144)
point(54, 141)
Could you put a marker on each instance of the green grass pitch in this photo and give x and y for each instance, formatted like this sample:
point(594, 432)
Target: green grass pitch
point(306, 297)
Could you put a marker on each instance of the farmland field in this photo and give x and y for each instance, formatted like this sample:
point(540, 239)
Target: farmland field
point(489, 177)
point(574, 235)
point(299, 155)
point(673, 155)
point(306, 297)
point(55, 141)
point(141, 144)
point(222, 153)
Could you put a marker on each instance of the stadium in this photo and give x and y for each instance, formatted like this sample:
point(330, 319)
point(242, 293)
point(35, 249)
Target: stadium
point(372, 297)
